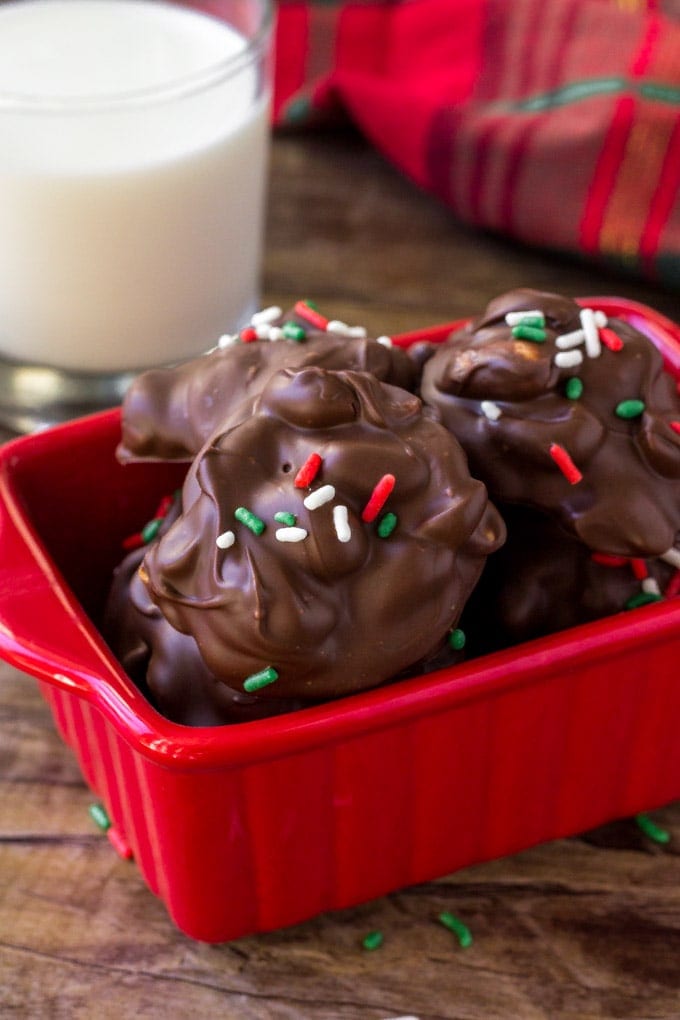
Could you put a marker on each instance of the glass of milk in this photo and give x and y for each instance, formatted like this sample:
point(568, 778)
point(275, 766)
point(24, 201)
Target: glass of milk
point(133, 160)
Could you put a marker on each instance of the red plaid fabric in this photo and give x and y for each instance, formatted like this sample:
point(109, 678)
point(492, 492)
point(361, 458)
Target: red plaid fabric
point(554, 121)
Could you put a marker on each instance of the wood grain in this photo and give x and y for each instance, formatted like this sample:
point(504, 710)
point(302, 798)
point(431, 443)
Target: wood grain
point(576, 929)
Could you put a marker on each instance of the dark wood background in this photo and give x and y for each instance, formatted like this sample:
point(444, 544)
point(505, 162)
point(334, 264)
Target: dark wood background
point(580, 928)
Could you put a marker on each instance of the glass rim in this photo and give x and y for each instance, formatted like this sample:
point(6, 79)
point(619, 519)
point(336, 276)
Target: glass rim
point(176, 88)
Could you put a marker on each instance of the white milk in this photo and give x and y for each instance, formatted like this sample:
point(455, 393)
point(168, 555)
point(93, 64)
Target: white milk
point(130, 229)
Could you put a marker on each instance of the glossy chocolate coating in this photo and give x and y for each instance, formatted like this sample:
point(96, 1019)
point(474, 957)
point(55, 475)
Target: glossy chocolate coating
point(628, 500)
point(168, 414)
point(330, 616)
point(544, 580)
point(165, 664)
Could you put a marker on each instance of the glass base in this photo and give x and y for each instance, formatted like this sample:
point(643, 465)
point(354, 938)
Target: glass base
point(33, 397)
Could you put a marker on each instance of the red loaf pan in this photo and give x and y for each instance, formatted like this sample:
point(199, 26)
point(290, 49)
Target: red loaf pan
point(260, 825)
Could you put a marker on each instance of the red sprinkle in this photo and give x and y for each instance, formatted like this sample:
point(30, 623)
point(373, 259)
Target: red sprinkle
point(607, 560)
point(639, 568)
point(308, 471)
point(248, 334)
point(378, 498)
point(675, 425)
point(119, 843)
point(610, 339)
point(565, 464)
point(310, 315)
point(133, 541)
point(673, 586)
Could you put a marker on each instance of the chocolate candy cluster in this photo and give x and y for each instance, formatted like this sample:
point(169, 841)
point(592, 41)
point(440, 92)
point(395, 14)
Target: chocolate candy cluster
point(574, 425)
point(328, 533)
point(334, 526)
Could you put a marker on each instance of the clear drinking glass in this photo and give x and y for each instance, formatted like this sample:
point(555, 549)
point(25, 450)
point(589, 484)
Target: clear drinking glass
point(133, 159)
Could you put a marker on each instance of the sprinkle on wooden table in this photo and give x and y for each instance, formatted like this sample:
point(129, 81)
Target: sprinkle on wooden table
point(460, 930)
point(373, 940)
point(651, 829)
point(97, 813)
point(119, 843)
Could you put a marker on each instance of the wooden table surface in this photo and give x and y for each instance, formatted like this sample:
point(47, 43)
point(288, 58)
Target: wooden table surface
point(579, 928)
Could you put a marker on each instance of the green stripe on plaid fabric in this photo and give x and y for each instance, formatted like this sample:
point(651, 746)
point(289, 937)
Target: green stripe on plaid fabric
point(578, 91)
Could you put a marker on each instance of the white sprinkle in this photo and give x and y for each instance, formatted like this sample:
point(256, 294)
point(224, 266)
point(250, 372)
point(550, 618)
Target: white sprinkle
point(341, 523)
point(342, 329)
point(568, 359)
point(386, 341)
point(600, 319)
point(225, 540)
point(291, 534)
point(593, 345)
point(262, 331)
point(320, 496)
point(228, 340)
point(650, 585)
point(276, 333)
point(266, 316)
point(672, 556)
point(490, 410)
point(517, 318)
point(568, 340)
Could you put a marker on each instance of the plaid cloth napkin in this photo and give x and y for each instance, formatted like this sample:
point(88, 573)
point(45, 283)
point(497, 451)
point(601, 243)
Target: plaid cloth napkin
point(554, 121)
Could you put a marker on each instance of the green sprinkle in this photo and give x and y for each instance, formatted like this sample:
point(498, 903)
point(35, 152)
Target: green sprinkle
point(257, 681)
point(643, 598)
point(99, 816)
point(652, 830)
point(630, 408)
point(373, 940)
point(387, 524)
point(292, 331)
point(534, 333)
point(574, 388)
point(250, 520)
point(457, 639)
point(311, 304)
point(284, 517)
point(459, 929)
point(150, 530)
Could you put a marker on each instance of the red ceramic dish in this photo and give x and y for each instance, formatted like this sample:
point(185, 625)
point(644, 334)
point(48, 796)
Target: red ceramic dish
point(259, 825)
